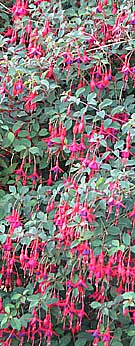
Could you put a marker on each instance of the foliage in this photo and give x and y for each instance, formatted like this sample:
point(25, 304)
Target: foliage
point(67, 136)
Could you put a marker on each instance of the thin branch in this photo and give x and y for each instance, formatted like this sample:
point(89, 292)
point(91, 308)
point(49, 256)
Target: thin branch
point(5, 7)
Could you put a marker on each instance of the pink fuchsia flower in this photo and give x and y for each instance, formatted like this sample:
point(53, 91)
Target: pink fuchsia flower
point(14, 221)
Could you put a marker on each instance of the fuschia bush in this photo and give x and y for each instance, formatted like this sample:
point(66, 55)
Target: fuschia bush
point(67, 159)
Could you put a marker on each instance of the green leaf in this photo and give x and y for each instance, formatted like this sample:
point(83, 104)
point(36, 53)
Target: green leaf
point(75, 243)
point(132, 248)
point(101, 114)
point(34, 150)
point(116, 343)
point(7, 309)
point(19, 148)
point(12, 189)
point(16, 296)
point(11, 137)
point(95, 305)
point(45, 83)
point(38, 98)
point(2, 228)
point(3, 238)
point(4, 321)
point(23, 133)
point(80, 91)
point(87, 235)
point(132, 342)
point(15, 323)
point(65, 340)
point(126, 239)
point(56, 140)
point(105, 103)
point(118, 109)
point(107, 123)
point(50, 301)
point(131, 332)
point(17, 125)
point(68, 124)
point(43, 132)
point(119, 145)
point(91, 98)
point(35, 127)
point(129, 295)
point(114, 230)
point(115, 242)
point(80, 342)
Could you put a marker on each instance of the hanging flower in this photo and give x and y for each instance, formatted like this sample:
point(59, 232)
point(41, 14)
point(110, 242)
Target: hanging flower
point(18, 87)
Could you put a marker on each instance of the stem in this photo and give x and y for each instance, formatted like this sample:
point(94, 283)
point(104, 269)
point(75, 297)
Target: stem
point(5, 7)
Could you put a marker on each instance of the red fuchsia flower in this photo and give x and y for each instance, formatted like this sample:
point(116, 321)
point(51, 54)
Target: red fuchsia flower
point(79, 59)
point(49, 180)
point(14, 221)
point(17, 131)
point(56, 169)
point(47, 328)
point(8, 32)
point(132, 215)
point(86, 214)
point(125, 156)
point(81, 84)
point(18, 87)
point(74, 148)
point(92, 83)
point(20, 171)
point(35, 51)
point(106, 336)
point(34, 176)
point(22, 39)
point(118, 204)
point(28, 28)
point(99, 8)
point(46, 28)
point(121, 118)
point(59, 133)
point(94, 166)
point(20, 9)
point(14, 37)
point(132, 21)
point(29, 105)
point(3, 90)
point(50, 74)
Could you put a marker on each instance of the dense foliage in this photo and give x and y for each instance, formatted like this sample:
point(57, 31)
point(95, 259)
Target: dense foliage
point(67, 140)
